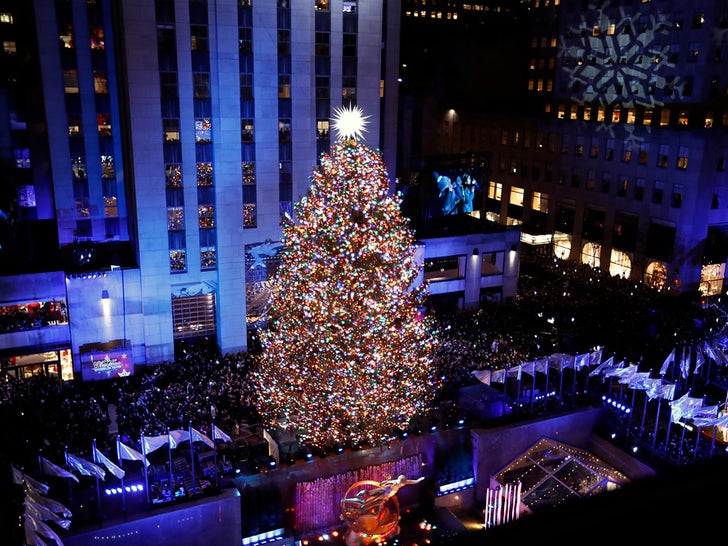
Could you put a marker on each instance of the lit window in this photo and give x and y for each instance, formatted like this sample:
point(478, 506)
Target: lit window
point(9, 48)
point(22, 158)
point(248, 173)
point(175, 218)
point(110, 208)
point(206, 215)
point(97, 38)
point(101, 83)
point(66, 36)
point(6, 18)
point(78, 166)
point(103, 122)
point(204, 174)
point(173, 175)
point(203, 130)
point(647, 118)
point(170, 128)
point(107, 166)
point(74, 125)
point(516, 197)
point(82, 209)
point(249, 215)
point(677, 195)
point(626, 151)
point(665, 117)
point(623, 186)
point(208, 258)
point(644, 153)
point(177, 260)
point(682, 159)
point(70, 81)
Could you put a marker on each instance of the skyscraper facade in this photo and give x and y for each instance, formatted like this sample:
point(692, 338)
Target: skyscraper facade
point(152, 149)
point(609, 137)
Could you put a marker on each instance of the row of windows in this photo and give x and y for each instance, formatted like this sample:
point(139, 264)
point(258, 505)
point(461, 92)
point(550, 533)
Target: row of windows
point(176, 217)
point(608, 149)
point(78, 167)
point(96, 37)
point(628, 148)
point(103, 125)
point(101, 81)
point(449, 268)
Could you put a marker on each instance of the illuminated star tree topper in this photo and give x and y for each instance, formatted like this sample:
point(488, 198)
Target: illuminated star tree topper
point(350, 122)
point(346, 357)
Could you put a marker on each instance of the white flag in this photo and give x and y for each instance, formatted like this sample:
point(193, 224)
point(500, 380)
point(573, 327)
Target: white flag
point(109, 464)
point(153, 443)
point(84, 467)
point(197, 436)
point(20, 478)
point(130, 454)
point(218, 434)
point(177, 436)
point(54, 470)
point(666, 364)
point(482, 375)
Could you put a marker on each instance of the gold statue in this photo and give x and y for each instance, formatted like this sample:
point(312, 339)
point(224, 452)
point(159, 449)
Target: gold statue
point(371, 509)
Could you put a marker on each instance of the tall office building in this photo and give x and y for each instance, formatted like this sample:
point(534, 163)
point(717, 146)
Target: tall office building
point(609, 141)
point(151, 149)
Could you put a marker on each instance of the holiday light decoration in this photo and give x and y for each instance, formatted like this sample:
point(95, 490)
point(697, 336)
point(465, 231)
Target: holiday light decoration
point(346, 360)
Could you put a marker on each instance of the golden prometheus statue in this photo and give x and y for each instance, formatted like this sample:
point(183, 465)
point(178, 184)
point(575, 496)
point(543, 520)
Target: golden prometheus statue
point(371, 510)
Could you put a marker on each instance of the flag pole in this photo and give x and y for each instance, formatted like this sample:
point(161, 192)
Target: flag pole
point(629, 419)
point(172, 487)
point(98, 490)
point(546, 397)
point(657, 422)
point(644, 414)
point(146, 471)
point(70, 485)
point(214, 452)
point(121, 465)
point(682, 439)
point(192, 459)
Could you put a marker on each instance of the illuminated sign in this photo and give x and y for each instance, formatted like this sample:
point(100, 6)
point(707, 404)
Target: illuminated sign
point(106, 365)
point(36, 358)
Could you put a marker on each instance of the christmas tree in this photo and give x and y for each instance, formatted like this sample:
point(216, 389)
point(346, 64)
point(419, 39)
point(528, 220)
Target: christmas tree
point(346, 356)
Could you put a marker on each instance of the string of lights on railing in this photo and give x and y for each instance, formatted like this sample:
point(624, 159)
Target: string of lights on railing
point(87, 275)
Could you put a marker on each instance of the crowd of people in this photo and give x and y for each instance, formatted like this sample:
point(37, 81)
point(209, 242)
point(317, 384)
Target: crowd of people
point(561, 307)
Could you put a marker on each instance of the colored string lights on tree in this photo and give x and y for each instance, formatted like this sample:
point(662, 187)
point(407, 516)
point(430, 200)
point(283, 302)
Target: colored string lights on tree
point(346, 359)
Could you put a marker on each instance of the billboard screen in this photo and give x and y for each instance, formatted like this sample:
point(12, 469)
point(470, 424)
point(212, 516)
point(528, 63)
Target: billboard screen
point(106, 364)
